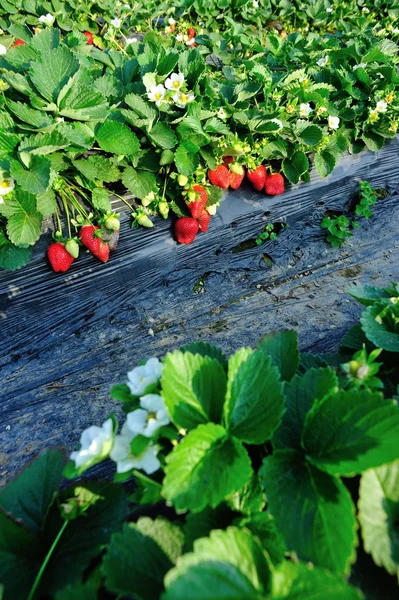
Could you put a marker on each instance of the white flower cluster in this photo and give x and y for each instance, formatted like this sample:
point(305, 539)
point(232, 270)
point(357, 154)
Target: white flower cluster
point(97, 443)
point(306, 109)
point(172, 91)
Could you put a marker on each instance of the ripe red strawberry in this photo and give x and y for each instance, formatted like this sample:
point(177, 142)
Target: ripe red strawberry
point(197, 205)
point(191, 33)
point(59, 258)
point(89, 36)
point(274, 184)
point(96, 245)
point(236, 176)
point(19, 42)
point(220, 177)
point(227, 160)
point(186, 229)
point(258, 177)
point(204, 221)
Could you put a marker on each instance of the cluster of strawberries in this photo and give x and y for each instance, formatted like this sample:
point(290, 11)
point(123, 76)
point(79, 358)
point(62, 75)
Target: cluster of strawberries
point(62, 254)
point(231, 174)
point(227, 175)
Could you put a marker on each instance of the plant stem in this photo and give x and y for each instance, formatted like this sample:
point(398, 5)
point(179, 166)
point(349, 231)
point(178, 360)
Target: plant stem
point(45, 562)
point(57, 214)
point(65, 203)
point(123, 200)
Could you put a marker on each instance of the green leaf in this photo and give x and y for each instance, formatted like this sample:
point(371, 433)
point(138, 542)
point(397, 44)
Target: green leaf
point(206, 349)
point(310, 135)
point(351, 431)
point(379, 514)
point(282, 347)
point(305, 582)
point(373, 141)
point(205, 468)
point(141, 549)
point(249, 499)
point(12, 257)
point(84, 104)
point(24, 222)
point(28, 497)
point(117, 138)
point(194, 388)
point(43, 143)
point(36, 118)
point(229, 564)
point(8, 141)
point(168, 62)
point(368, 295)
point(85, 537)
point(379, 323)
point(186, 162)
point(325, 163)
point(313, 511)
point(100, 199)
point(139, 444)
point(46, 203)
point(301, 393)
point(18, 546)
point(295, 166)
point(264, 527)
point(78, 591)
point(140, 183)
point(51, 72)
point(162, 135)
point(201, 524)
point(167, 157)
point(141, 107)
point(97, 168)
point(254, 399)
point(36, 179)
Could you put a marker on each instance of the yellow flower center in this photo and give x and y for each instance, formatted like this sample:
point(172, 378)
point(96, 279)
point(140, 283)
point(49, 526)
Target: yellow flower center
point(151, 415)
point(158, 96)
point(4, 184)
point(184, 98)
point(176, 84)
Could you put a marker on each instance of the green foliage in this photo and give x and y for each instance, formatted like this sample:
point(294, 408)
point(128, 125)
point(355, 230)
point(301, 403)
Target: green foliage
point(338, 229)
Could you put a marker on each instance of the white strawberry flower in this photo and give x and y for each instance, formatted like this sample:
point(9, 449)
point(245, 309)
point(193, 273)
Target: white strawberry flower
point(381, 106)
point(329, 10)
point(6, 186)
point(179, 37)
point(116, 22)
point(174, 82)
point(333, 122)
point(222, 113)
point(131, 40)
point(305, 110)
point(150, 417)
point(171, 21)
point(95, 444)
point(121, 453)
point(181, 99)
point(255, 3)
point(47, 19)
point(3, 50)
point(140, 378)
point(323, 61)
point(321, 110)
point(190, 42)
point(156, 94)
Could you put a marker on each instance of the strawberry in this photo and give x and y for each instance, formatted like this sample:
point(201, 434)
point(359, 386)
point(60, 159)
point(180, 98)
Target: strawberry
point(89, 36)
point(227, 160)
point(219, 176)
point(236, 176)
point(197, 201)
point(274, 184)
point(186, 229)
point(19, 42)
point(59, 257)
point(95, 244)
point(191, 33)
point(257, 177)
point(203, 221)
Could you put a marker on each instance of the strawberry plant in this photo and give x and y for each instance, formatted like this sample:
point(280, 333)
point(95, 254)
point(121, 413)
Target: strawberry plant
point(252, 455)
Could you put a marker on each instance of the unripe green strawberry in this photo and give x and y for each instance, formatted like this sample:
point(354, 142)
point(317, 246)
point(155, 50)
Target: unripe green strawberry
point(144, 221)
point(163, 209)
point(182, 180)
point(112, 223)
point(148, 199)
point(353, 367)
point(72, 247)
